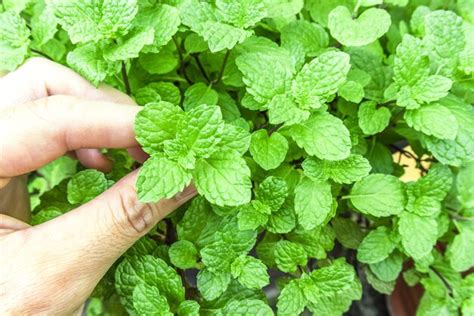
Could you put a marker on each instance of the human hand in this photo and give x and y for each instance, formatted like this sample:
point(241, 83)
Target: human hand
point(47, 110)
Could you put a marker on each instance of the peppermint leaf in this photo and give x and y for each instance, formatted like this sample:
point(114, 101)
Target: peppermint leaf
point(313, 203)
point(85, 186)
point(371, 119)
point(268, 151)
point(368, 27)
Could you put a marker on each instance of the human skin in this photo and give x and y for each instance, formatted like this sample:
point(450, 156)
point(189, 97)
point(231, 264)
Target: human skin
point(46, 111)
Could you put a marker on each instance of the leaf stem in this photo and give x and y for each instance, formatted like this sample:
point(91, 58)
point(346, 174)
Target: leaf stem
point(126, 83)
point(40, 53)
point(201, 67)
point(224, 63)
point(182, 68)
point(445, 282)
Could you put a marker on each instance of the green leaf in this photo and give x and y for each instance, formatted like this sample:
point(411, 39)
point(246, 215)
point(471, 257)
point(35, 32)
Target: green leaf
point(311, 37)
point(14, 40)
point(265, 75)
point(211, 285)
point(188, 308)
point(89, 62)
point(247, 307)
point(202, 129)
point(131, 45)
point(419, 234)
point(198, 94)
point(272, 192)
point(379, 195)
point(379, 285)
point(165, 21)
point(136, 270)
point(465, 186)
point(368, 27)
point(282, 109)
point(253, 215)
point(183, 254)
point(444, 38)
point(147, 300)
point(250, 272)
point(291, 300)
point(85, 186)
point(268, 151)
point(319, 79)
point(376, 246)
point(348, 233)
point(388, 269)
point(459, 252)
point(324, 136)
point(352, 91)
point(313, 203)
point(371, 119)
point(349, 170)
point(45, 215)
point(433, 119)
point(155, 124)
point(87, 20)
point(431, 88)
point(411, 63)
point(161, 178)
point(242, 14)
point(224, 179)
point(58, 170)
point(289, 255)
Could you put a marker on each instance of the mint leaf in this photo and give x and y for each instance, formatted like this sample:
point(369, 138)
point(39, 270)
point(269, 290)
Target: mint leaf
point(349, 170)
point(289, 255)
point(183, 254)
point(224, 179)
point(419, 234)
point(313, 203)
point(433, 119)
point(250, 272)
point(371, 119)
point(136, 270)
point(379, 195)
point(368, 27)
point(87, 21)
point(147, 300)
point(155, 124)
point(188, 308)
point(324, 136)
point(272, 192)
point(199, 94)
point(202, 130)
point(248, 307)
point(376, 246)
point(161, 178)
point(85, 186)
point(211, 285)
point(268, 151)
point(14, 40)
point(319, 79)
point(291, 300)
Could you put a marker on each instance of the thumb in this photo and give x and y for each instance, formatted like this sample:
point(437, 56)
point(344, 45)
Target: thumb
point(80, 246)
point(112, 222)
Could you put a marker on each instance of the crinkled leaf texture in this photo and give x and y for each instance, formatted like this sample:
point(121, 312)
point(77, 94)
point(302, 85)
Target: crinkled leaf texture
point(300, 123)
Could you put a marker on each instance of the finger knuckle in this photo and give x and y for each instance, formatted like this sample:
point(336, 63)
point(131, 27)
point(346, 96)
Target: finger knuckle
point(132, 217)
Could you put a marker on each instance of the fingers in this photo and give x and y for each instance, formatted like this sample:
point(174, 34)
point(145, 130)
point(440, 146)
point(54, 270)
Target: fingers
point(94, 159)
point(43, 130)
point(40, 77)
point(85, 242)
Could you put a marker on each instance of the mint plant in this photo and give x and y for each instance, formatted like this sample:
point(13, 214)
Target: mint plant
point(290, 118)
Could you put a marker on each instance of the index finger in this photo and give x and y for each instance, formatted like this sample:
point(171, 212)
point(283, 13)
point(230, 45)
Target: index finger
point(37, 132)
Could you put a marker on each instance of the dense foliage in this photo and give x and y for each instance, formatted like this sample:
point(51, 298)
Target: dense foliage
point(285, 115)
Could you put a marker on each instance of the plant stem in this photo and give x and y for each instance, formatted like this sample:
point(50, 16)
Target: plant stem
point(221, 73)
point(201, 67)
point(182, 68)
point(128, 90)
point(445, 282)
point(40, 53)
